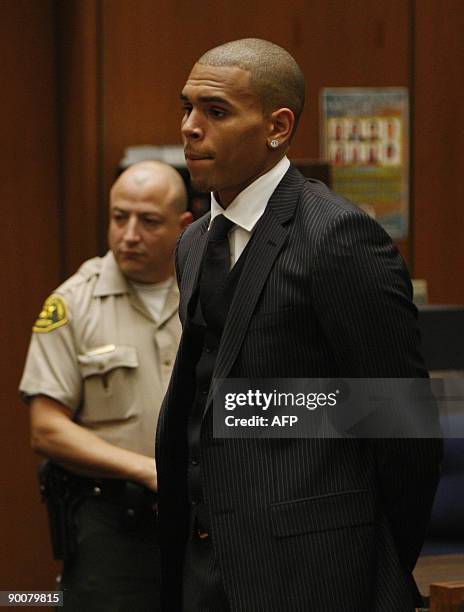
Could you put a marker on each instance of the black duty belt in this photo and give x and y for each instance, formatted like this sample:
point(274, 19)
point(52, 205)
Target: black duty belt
point(63, 492)
point(121, 492)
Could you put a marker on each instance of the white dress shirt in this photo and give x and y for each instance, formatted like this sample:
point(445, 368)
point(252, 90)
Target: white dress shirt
point(247, 207)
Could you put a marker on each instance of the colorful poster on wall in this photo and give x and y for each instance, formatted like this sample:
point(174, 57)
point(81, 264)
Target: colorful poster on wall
point(365, 138)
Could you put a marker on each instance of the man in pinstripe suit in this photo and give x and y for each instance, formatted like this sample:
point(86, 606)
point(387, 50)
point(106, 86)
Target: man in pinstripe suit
point(315, 290)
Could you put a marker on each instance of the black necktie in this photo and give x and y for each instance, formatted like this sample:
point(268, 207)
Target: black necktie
point(216, 260)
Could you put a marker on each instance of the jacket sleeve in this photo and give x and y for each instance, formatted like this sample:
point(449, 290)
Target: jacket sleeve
point(363, 298)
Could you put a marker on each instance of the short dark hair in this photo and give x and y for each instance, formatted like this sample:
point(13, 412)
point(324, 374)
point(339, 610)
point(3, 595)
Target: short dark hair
point(275, 75)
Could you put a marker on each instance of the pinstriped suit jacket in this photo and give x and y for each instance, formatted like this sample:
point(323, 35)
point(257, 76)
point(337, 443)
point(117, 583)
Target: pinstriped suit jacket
point(297, 525)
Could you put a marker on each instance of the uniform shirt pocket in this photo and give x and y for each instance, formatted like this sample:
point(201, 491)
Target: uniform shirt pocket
point(109, 379)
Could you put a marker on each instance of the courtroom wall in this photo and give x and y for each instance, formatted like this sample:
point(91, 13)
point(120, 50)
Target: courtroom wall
point(30, 267)
point(83, 79)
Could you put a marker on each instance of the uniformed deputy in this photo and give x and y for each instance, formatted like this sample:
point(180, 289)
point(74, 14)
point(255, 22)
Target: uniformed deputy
point(98, 365)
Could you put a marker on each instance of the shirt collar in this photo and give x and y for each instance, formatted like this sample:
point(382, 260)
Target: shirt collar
point(247, 207)
point(111, 280)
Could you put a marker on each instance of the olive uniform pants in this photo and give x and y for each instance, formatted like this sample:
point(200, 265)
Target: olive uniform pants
point(116, 567)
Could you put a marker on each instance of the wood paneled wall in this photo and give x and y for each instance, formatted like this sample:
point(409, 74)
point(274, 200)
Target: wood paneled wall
point(439, 150)
point(83, 79)
point(29, 269)
point(77, 24)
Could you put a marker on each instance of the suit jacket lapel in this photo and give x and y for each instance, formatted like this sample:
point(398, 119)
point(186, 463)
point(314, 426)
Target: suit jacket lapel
point(268, 239)
point(192, 266)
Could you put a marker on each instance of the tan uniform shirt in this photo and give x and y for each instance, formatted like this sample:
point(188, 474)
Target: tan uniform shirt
point(97, 349)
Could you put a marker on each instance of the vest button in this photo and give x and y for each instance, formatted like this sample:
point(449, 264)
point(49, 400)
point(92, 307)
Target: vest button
point(207, 349)
point(194, 461)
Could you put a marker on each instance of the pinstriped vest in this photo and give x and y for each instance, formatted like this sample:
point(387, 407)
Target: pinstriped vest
point(207, 328)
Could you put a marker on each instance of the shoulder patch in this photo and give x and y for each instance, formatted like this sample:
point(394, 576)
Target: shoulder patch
point(54, 314)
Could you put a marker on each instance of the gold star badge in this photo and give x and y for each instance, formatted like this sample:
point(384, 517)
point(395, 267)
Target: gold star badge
point(54, 314)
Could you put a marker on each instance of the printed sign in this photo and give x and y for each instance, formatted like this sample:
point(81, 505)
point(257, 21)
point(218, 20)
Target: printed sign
point(365, 138)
